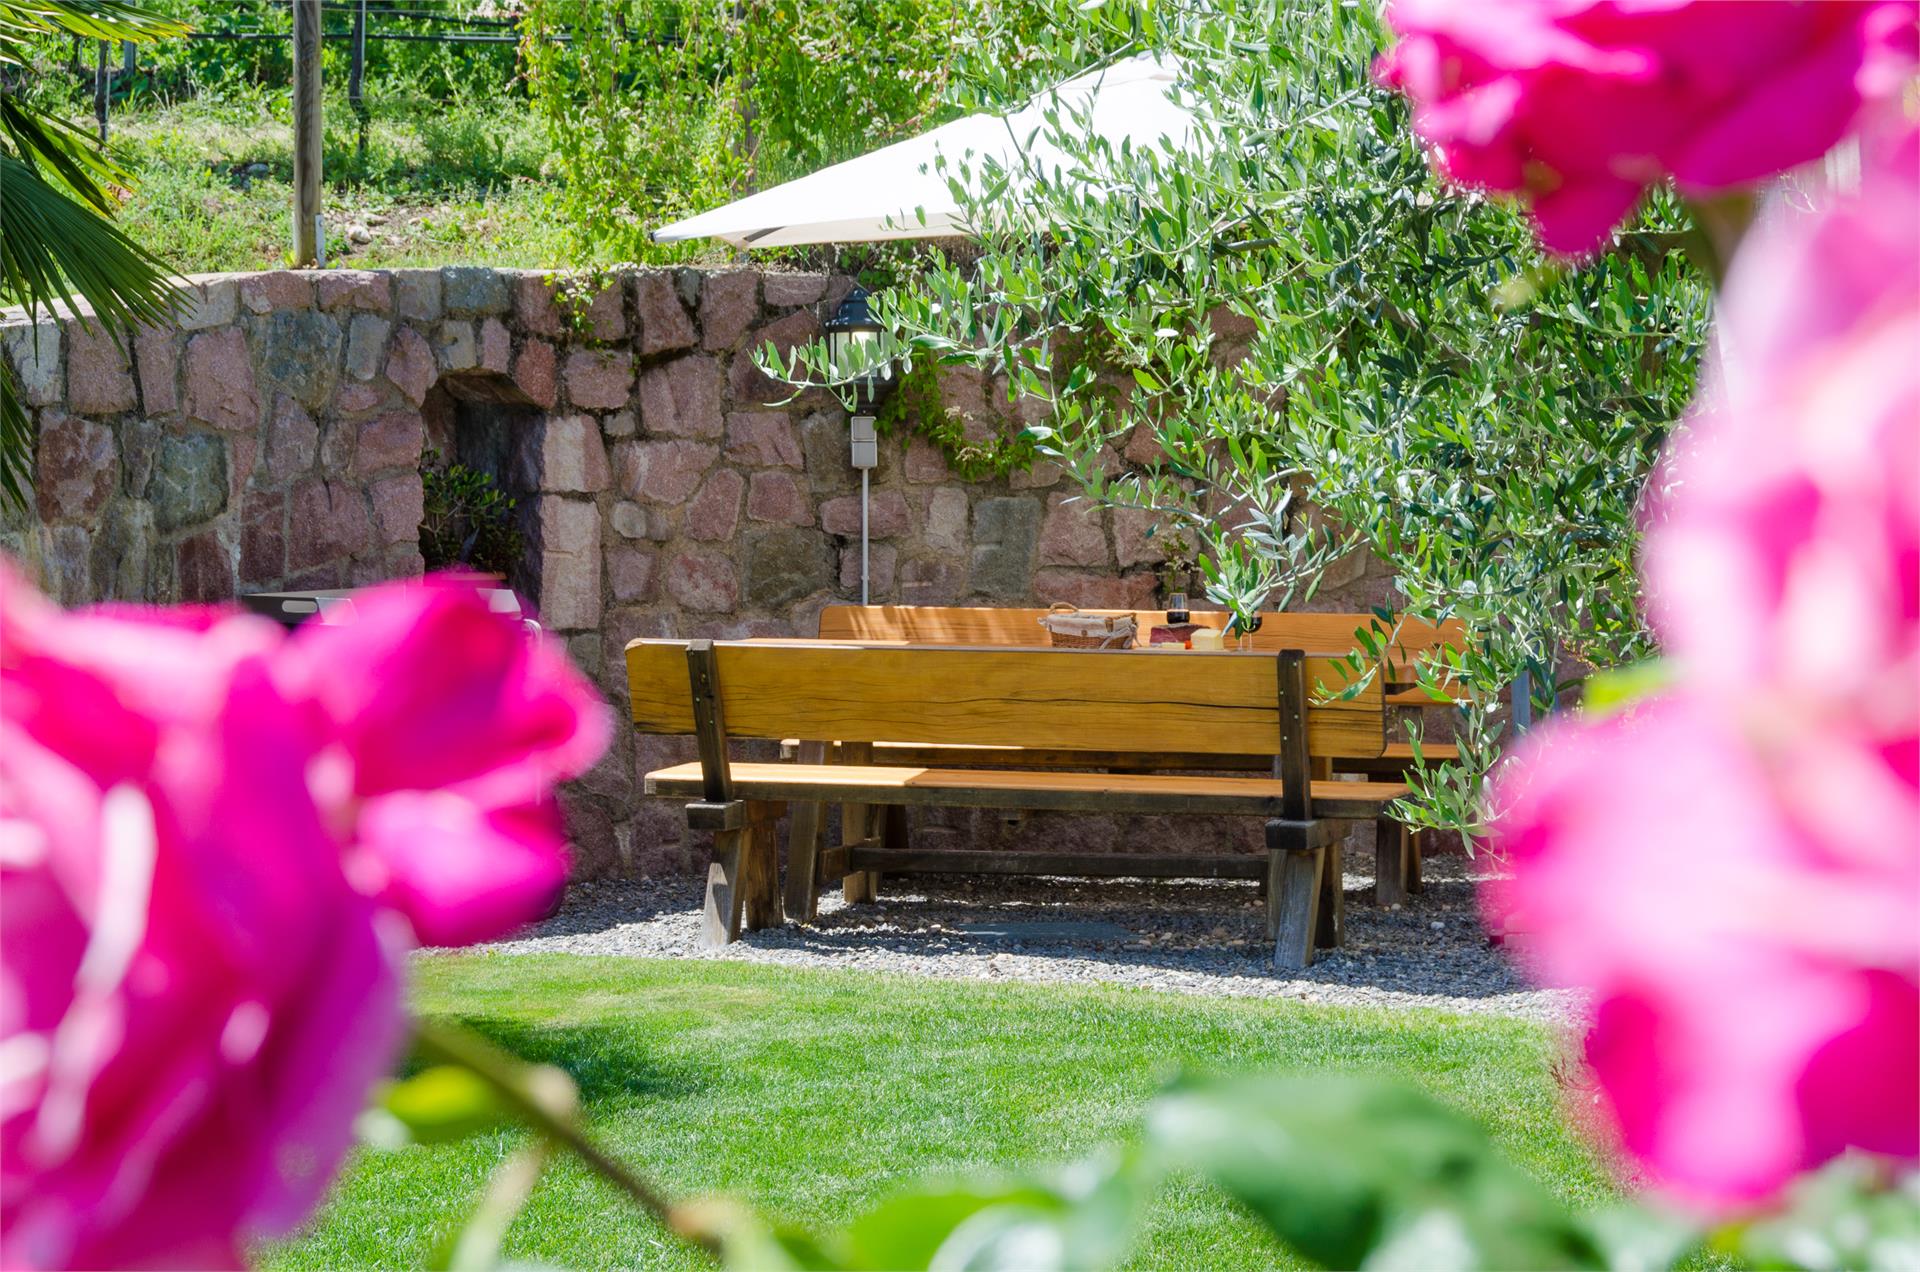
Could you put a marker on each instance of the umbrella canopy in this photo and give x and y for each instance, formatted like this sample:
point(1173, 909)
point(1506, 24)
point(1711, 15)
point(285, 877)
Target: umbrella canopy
point(896, 192)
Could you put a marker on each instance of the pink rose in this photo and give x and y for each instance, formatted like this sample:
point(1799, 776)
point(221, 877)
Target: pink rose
point(448, 736)
point(215, 847)
point(194, 1001)
point(1734, 871)
point(1756, 976)
point(1578, 106)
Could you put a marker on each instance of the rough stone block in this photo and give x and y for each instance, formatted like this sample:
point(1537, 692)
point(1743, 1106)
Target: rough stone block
point(606, 314)
point(535, 304)
point(410, 367)
point(886, 515)
point(620, 424)
point(825, 443)
point(65, 559)
point(276, 291)
point(122, 551)
point(357, 399)
point(1073, 533)
point(931, 581)
point(573, 459)
point(785, 565)
point(397, 508)
point(630, 572)
point(75, 468)
point(263, 538)
point(666, 472)
point(189, 482)
point(204, 568)
point(783, 291)
point(496, 346)
point(701, 580)
point(300, 354)
point(212, 302)
point(99, 379)
point(947, 510)
point(665, 325)
point(355, 289)
point(599, 380)
point(1096, 591)
point(748, 382)
point(219, 381)
point(1142, 447)
point(456, 346)
point(682, 398)
point(392, 440)
point(536, 373)
point(416, 294)
point(780, 498)
point(729, 305)
point(327, 520)
point(637, 521)
point(35, 353)
point(763, 438)
point(156, 354)
point(472, 291)
point(881, 558)
point(337, 441)
point(569, 564)
point(926, 462)
point(1005, 543)
point(1137, 537)
point(366, 345)
point(293, 441)
point(1041, 474)
point(714, 513)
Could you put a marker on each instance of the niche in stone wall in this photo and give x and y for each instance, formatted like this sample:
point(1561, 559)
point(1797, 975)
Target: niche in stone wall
point(485, 435)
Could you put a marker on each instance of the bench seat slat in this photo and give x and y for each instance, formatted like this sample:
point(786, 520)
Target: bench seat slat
point(1001, 788)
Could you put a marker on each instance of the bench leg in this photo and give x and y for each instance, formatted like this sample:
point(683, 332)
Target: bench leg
point(1293, 904)
point(720, 919)
point(1391, 849)
point(760, 868)
point(1416, 847)
point(1330, 927)
point(803, 847)
point(857, 824)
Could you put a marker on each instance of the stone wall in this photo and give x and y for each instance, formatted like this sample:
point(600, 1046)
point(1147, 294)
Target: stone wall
point(273, 439)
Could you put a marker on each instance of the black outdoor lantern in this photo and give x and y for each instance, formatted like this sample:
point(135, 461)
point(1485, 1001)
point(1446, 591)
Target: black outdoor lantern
point(851, 335)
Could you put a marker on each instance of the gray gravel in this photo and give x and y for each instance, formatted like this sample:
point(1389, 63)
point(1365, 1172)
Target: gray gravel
point(1194, 937)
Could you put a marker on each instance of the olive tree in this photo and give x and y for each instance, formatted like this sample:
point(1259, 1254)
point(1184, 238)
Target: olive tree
point(1409, 376)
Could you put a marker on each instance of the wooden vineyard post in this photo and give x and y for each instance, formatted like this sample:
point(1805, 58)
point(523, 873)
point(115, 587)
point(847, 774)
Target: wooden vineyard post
point(307, 243)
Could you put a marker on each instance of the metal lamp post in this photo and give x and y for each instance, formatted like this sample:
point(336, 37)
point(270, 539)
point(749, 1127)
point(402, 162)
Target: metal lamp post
point(851, 333)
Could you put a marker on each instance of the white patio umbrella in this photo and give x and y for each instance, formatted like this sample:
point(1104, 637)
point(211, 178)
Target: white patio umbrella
point(897, 193)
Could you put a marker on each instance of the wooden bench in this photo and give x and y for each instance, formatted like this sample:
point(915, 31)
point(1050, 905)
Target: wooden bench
point(1139, 704)
point(1397, 850)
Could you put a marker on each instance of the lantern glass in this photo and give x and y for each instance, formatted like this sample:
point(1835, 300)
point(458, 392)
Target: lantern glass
point(851, 333)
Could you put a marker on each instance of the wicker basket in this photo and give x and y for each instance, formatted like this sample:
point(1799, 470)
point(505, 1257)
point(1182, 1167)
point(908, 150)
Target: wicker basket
point(1068, 628)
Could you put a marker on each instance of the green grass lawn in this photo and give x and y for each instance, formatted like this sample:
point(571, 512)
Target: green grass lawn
point(811, 1094)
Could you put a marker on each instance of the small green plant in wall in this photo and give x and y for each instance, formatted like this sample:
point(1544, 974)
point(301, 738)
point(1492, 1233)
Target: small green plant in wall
point(466, 519)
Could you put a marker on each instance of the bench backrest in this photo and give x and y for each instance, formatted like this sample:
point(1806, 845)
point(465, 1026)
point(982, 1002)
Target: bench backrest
point(967, 625)
point(1208, 703)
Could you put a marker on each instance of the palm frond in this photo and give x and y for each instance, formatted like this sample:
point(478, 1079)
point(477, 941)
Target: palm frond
point(88, 19)
point(16, 440)
point(62, 150)
point(52, 246)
